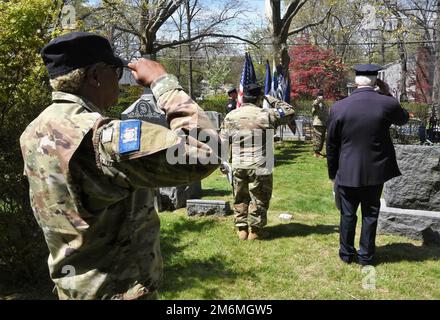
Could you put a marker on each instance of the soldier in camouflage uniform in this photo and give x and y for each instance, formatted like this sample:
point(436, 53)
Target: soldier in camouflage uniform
point(250, 130)
point(92, 179)
point(320, 116)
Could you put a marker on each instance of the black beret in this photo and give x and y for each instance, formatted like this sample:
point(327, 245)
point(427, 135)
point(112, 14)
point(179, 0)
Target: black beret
point(367, 69)
point(77, 50)
point(252, 90)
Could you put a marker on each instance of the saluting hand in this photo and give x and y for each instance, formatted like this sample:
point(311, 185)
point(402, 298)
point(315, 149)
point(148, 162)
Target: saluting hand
point(383, 87)
point(146, 71)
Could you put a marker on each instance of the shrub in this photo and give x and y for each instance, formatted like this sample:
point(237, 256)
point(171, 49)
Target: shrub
point(419, 110)
point(24, 93)
point(127, 96)
point(214, 103)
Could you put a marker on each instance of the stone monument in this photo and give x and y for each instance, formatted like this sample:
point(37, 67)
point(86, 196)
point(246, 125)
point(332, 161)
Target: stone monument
point(411, 205)
point(208, 207)
point(169, 198)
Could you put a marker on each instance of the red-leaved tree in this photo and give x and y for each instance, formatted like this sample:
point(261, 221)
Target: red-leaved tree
point(313, 68)
point(424, 75)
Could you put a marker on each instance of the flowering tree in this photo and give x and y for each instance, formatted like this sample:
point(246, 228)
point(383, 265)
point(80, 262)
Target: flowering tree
point(313, 68)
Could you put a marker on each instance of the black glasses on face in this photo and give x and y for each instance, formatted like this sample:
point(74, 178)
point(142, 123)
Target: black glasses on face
point(119, 71)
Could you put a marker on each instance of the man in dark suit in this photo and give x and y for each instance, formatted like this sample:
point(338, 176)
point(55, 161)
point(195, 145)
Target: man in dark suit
point(361, 157)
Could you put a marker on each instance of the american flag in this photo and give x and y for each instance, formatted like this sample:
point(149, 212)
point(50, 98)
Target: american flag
point(267, 85)
point(248, 76)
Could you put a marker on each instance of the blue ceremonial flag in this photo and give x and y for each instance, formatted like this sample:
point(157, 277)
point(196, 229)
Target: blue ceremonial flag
point(274, 85)
point(268, 79)
point(247, 76)
point(253, 76)
point(283, 90)
point(267, 85)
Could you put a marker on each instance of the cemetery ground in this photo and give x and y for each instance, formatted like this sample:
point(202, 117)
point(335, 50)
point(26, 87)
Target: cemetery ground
point(203, 258)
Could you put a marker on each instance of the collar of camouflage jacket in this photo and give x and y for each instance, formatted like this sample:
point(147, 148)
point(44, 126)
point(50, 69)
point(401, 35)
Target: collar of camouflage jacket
point(64, 96)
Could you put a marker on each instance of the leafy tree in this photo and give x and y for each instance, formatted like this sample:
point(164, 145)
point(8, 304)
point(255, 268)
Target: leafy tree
point(313, 68)
point(24, 92)
point(280, 26)
point(217, 72)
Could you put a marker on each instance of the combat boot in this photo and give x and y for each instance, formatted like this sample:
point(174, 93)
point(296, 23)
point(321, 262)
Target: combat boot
point(242, 233)
point(317, 155)
point(257, 234)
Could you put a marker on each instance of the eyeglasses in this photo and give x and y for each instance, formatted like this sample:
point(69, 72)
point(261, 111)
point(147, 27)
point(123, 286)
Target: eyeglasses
point(119, 70)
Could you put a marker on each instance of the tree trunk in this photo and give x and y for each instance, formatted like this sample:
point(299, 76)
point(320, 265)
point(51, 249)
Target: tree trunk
point(147, 49)
point(179, 63)
point(404, 72)
point(188, 34)
point(436, 80)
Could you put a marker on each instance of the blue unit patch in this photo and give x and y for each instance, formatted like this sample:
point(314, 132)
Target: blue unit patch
point(130, 136)
point(281, 112)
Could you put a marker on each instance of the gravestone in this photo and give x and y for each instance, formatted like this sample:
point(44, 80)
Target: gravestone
point(411, 205)
point(170, 198)
point(414, 224)
point(215, 118)
point(146, 109)
point(419, 185)
point(207, 207)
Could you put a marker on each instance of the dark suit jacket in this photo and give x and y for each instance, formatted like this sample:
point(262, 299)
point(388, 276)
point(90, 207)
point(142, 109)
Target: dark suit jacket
point(359, 147)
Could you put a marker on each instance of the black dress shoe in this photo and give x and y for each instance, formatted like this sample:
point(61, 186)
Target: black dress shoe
point(347, 260)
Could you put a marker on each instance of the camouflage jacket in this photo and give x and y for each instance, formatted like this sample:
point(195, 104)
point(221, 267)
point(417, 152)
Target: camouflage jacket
point(320, 113)
point(92, 184)
point(249, 131)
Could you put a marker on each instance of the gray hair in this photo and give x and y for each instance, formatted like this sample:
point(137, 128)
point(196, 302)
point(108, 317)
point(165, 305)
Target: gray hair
point(72, 81)
point(365, 80)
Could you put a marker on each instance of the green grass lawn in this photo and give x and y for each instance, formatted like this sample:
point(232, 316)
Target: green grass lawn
point(205, 260)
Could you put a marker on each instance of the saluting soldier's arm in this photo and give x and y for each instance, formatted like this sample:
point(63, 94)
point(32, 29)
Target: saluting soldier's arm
point(148, 155)
point(396, 114)
point(280, 112)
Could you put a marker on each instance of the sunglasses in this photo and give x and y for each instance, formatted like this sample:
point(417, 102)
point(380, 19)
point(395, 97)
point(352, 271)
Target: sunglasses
point(119, 70)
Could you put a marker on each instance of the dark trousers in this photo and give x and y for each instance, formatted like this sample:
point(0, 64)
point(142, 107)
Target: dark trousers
point(369, 199)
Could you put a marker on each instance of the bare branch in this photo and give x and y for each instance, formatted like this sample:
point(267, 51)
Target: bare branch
point(200, 36)
point(122, 15)
point(291, 12)
point(297, 30)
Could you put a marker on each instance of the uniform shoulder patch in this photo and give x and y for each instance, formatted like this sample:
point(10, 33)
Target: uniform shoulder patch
point(281, 112)
point(129, 137)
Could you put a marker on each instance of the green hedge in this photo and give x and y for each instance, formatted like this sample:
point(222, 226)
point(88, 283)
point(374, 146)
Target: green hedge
point(127, 95)
point(130, 94)
point(420, 110)
point(214, 103)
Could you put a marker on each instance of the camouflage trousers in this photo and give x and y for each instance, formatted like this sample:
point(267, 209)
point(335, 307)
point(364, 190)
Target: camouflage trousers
point(153, 295)
point(251, 198)
point(318, 137)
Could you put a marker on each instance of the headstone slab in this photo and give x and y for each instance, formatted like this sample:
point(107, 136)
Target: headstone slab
point(207, 207)
point(419, 185)
point(146, 109)
point(173, 198)
point(215, 118)
point(414, 224)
